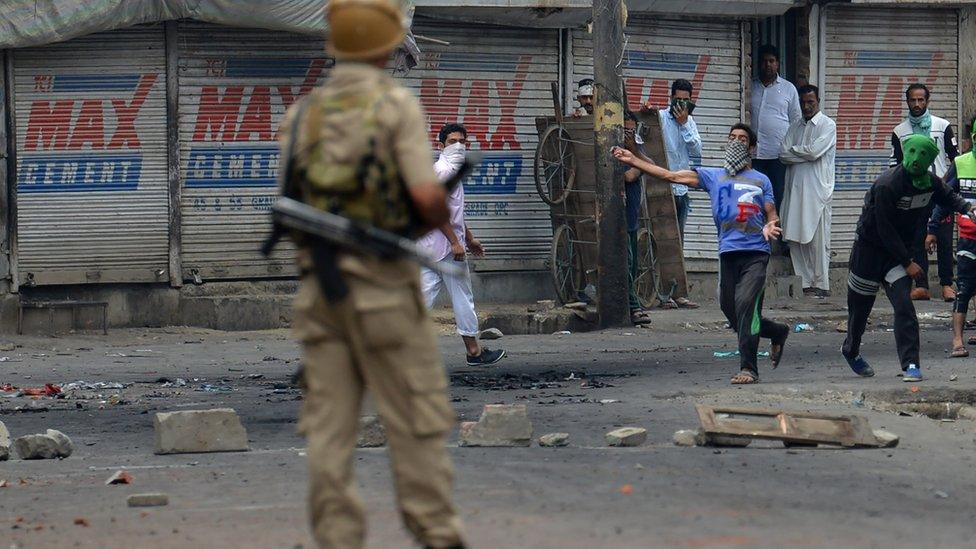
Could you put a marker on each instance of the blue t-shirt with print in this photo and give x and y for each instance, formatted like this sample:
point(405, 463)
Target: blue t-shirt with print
point(738, 207)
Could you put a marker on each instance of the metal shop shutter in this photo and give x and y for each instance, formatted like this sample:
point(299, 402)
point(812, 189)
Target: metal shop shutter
point(235, 86)
point(707, 53)
point(868, 58)
point(495, 81)
point(91, 159)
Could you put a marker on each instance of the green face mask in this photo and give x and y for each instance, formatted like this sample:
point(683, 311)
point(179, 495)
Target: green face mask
point(919, 155)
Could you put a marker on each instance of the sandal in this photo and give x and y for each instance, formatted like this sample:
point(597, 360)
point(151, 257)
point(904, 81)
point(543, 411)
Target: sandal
point(669, 304)
point(639, 317)
point(745, 377)
point(685, 303)
point(959, 352)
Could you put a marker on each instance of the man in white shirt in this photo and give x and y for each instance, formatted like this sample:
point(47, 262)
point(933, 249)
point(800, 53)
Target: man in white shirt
point(808, 152)
point(451, 242)
point(775, 106)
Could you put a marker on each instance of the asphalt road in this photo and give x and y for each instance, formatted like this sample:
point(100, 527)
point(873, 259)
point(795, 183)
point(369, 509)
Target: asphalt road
point(920, 494)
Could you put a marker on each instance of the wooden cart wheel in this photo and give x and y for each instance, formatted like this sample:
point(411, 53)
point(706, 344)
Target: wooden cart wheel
point(566, 265)
point(648, 281)
point(555, 165)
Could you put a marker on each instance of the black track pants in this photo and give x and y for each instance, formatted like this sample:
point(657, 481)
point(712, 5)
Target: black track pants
point(742, 280)
point(870, 269)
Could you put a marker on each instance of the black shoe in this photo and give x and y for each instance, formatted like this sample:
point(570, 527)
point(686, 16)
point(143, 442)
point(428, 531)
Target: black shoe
point(486, 358)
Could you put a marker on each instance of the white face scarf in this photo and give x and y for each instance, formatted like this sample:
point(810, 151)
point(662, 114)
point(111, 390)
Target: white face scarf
point(454, 154)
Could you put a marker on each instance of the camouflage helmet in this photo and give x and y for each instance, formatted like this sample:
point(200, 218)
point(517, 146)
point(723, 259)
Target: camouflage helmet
point(361, 30)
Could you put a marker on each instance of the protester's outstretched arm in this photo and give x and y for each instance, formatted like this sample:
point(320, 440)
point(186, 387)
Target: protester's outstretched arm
point(684, 177)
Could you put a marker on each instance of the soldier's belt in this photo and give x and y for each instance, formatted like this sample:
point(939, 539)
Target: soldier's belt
point(347, 234)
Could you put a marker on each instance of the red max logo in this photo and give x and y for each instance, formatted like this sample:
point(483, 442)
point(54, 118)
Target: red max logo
point(54, 126)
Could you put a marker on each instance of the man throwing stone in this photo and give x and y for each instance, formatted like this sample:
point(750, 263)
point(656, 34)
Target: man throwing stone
point(896, 209)
point(744, 211)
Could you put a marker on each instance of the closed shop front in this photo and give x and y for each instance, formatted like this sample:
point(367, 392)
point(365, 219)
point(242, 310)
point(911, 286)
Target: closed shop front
point(706, 53)
point(869, 56)
point(495, 81)
point(235, 86)
point(91, 159)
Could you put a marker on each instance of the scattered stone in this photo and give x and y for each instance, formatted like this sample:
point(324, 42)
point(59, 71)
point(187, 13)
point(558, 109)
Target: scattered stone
point(842, 326)
point(51, 445)
point(119, 477)
point(147, 500)
point(886, 438)
point(552, 440)
point(5, 347)
point(562, 333)
point(941, 495)
point(4, 442)
point(966, 412)
point(627, 436)
point(82, 522)
point(500, 425)
point(491, 333)
point(193, 431)
point(688, 437)
point(371, 432)
point(953, 377)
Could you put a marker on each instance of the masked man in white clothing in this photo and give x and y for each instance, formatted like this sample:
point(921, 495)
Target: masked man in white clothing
point(808, 152)
point(452, 242)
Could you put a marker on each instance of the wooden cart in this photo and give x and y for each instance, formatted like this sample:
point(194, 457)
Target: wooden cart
point(565, 179)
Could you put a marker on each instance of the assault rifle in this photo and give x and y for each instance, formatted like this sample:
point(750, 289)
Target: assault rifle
point(342, 232)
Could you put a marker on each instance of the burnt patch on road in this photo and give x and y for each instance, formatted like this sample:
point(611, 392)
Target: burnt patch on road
point(549, 379)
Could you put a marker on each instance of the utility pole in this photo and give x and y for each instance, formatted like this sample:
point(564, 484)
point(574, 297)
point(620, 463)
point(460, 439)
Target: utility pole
point(612, 284)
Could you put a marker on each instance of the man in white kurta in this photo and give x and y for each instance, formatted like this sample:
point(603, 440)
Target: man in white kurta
point(808, 152)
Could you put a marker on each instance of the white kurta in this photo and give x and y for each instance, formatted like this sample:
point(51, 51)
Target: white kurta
point(808, 151)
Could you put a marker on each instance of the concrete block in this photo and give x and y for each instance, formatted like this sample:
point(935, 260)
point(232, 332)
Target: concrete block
point(371, 432)
point(195, 431)
point(147, 500)
point(886, 438)
point(554, 440)
point(627, 436)
point(500, 425)
point(4, 442)
point(51, 445)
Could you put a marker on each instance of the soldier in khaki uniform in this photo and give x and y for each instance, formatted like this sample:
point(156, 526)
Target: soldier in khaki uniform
point(362, 150)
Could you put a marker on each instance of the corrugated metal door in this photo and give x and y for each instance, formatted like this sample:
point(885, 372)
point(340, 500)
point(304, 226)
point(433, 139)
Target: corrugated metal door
point(495, 81)
point(91, 149)
point(708, 54)
point(869, 57)
point(235, 86)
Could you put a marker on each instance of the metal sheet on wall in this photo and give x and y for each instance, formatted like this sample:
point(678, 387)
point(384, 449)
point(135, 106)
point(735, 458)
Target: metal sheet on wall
point(235, 86)
point(707, 53)
point(91, 171)
point(495, 81)
point(870, 56)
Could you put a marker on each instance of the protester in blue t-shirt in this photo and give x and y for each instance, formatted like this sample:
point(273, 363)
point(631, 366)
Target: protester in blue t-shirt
point(744, 212)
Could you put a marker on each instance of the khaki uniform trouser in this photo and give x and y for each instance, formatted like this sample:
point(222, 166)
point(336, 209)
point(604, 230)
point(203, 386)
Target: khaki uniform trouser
point(379, 337)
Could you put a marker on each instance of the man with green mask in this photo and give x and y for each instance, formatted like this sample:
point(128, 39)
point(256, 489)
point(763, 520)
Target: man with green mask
point(962, 179)
point(896, 210)
point(921, 121)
